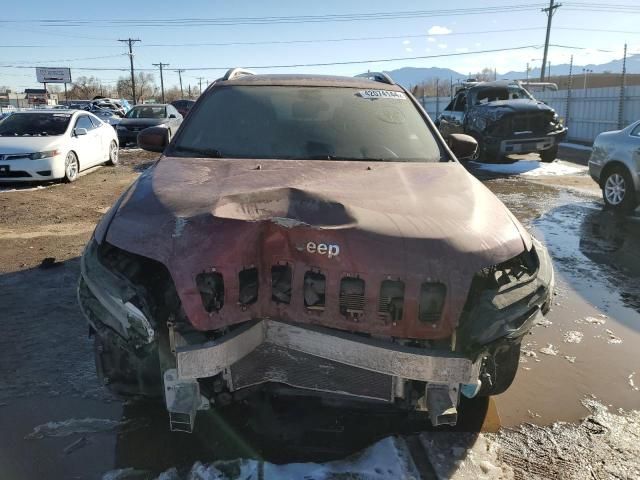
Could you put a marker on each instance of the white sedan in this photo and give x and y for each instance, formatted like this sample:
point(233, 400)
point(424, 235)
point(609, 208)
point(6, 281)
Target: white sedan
point(54, 144)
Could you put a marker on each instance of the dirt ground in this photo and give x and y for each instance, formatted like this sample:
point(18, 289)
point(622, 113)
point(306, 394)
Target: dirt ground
point(58, 421)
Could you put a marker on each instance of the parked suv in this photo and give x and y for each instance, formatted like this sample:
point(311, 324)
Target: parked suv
point(310, 235)
point(505, 119)
point(615, 165)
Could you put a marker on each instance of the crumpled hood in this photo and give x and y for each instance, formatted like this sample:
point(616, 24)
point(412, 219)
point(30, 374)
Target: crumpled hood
point(498, 109)
point(414, 221)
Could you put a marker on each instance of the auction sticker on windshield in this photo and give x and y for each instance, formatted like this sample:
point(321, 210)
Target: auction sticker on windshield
point(373, 94)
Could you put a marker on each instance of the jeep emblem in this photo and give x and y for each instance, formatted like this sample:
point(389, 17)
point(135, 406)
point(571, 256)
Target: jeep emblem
point(330, 250)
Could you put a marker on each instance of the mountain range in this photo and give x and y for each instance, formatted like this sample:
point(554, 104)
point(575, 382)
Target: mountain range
point(409, 76)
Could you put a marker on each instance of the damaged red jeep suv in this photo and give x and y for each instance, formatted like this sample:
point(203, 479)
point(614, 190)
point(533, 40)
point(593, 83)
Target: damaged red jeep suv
point(314, 236)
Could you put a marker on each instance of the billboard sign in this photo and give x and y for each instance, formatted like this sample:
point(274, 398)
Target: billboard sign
point(53, 75)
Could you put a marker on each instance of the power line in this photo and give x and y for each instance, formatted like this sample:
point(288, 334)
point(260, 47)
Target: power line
point(130, 42)
point(233, 21)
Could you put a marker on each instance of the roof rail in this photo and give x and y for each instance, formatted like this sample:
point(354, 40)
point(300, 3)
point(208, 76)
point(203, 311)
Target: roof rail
point(234, 73)
point(378, 77)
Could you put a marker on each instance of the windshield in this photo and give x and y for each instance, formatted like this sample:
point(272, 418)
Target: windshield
point(35, 124)
point(494, 94)
point(308, 123)
point(146, 111)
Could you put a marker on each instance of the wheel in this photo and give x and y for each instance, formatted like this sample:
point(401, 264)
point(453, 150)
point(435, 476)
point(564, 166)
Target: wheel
point(499, 370)
point(618, 191)
point(113, 153)
point(71, 167)
point(549, 155)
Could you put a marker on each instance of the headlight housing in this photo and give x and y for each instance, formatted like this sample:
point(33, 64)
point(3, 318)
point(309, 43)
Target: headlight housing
point(41, 155)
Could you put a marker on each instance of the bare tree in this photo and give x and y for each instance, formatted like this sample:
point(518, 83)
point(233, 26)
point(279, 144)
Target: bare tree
point(84, 88)
point(145, 87)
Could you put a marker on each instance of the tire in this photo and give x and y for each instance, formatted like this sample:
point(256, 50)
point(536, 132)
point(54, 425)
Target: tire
point(113, 153)
point(71, 167)
point(549, 155)
point(500, 370)
point(618, 191)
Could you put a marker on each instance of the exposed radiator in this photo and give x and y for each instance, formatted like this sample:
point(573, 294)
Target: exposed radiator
point(269, 363)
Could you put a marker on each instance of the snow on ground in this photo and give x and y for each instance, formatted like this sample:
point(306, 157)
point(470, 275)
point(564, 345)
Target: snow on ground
point(75, 426)
point(531, 168)
point(388, 459)
point(575, 146)
point(605, 444)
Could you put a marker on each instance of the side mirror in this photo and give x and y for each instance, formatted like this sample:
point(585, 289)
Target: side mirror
point(153, 139)
point(463, 146)
point(79, 131)
point(172, 115)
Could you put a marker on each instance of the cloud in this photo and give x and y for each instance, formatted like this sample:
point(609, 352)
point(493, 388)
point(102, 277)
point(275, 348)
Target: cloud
point(431, 39)
point(409, 49)
point(477, 44)
point(442, 45)
point(406, 42)
point(438, 30)
point(427, 49)
point(462, 50)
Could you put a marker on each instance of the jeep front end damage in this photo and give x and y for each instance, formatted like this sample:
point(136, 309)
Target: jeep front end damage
point(147, 345)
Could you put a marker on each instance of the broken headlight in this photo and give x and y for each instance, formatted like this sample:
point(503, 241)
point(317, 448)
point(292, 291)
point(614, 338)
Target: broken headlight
point(504, 298)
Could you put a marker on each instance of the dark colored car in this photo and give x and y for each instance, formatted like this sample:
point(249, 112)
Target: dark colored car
point(300, 236)
point(505, 119)
point(148, 115)
point(183, 106)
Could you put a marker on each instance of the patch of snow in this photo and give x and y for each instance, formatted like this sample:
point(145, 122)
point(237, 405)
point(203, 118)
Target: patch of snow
point(573, 336)
point(613, 339)
point(575, 146)
point(600, 320)
point(74, 426)
point(532, 168)
point(549, 350)
point(570, 359)
point(388, 459)
point(631, 383)
point(543, 322)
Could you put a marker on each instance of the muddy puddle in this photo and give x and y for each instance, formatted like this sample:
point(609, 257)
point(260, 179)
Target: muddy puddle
point(589, 343)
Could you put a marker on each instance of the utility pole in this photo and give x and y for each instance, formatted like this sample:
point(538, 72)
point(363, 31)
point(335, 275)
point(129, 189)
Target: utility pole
point(161, 77)
point(179, 72)
point(569, 87)
point(131, 41)
point(549, 11)
point(623, 86)
point(527, 72)
point(200, 80)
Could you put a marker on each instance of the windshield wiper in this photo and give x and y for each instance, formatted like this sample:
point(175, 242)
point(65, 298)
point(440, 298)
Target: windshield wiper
point(208, 152)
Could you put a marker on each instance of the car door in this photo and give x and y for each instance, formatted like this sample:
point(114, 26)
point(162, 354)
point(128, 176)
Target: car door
point(634, 140)
point(451, 120)
point(176, 120)
point(104, 139)
point(86, 146)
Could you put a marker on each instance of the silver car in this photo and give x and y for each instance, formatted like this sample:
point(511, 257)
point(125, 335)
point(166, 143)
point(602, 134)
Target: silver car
point(615, 165)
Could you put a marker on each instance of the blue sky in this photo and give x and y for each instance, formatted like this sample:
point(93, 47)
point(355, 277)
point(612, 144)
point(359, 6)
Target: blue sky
point(77, 46)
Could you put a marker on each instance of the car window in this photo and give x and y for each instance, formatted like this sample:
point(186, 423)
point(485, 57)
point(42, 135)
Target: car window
point(35, 124)
point(309, 123)
point(146, 111)
point(96, 122)
point(84, 122)
point(461, 103)
point(636, 131)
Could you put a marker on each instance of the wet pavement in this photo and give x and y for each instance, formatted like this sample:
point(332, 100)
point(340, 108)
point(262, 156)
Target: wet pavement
point(58, 422)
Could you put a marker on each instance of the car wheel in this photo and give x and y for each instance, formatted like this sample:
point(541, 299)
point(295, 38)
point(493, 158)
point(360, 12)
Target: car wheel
point(113, 153)
point(549, 155)
point(71, 167)
point(617, 190)
point(499, 370)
